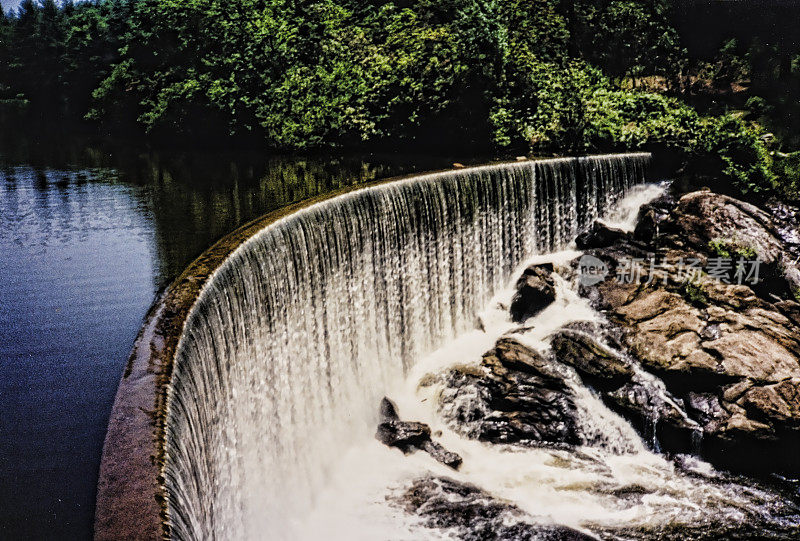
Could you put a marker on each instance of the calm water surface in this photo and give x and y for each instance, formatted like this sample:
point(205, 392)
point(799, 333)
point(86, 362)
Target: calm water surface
point(86, 242)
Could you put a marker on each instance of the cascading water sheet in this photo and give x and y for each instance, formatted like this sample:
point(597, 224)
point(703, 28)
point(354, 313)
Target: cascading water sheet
point(298, 334)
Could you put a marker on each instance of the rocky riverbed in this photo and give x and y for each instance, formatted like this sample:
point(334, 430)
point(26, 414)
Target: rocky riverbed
point(695, 343)
point(727, 347)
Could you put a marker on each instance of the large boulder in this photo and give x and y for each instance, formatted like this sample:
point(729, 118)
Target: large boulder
point(656, 414)
point(519, 396)
point(440, 454)
point(714, 331)
point(786, 219)
point(707, 409)
point(647, 226)
point(408, 436)
point(637, 396)
point(590, 358)
point(776, 403)
point(653, 218)
point(723, 226)
point(514, 396)
point(702, 217)
point(535, 291)
point(599, 235)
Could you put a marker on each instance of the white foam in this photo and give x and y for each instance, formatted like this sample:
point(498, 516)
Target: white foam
point(623, 215)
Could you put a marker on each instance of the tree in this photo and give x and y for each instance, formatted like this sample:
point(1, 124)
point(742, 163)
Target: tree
point(6, 30)
point(93, 34)
point(628, 38)
point(22, 69)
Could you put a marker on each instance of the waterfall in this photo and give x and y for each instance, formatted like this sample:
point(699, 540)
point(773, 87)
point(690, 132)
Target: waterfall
point(292, 341)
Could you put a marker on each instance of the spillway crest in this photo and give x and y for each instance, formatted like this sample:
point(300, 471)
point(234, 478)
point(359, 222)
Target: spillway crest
point(292, 341)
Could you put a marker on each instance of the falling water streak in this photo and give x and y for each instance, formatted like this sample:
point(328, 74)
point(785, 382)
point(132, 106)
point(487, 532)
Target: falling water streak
point(293, 339)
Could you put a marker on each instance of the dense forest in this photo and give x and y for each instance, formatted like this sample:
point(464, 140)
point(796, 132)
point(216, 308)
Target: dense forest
point(714, 85)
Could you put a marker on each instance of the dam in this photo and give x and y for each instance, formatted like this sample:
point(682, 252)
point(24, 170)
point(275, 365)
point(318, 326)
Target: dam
point(268, 357)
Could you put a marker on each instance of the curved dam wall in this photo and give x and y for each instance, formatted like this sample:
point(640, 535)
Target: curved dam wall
point(271, 353)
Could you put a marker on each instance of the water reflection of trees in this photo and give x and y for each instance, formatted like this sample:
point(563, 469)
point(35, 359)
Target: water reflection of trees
point(197, 199)
point(193, 198)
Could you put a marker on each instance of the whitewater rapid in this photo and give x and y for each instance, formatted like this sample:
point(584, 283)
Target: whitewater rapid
point(583, 488)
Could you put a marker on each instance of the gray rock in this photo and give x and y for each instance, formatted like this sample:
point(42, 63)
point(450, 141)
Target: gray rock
point(653, 217)
point(411, 436)
point(646, 402)
point(388, 410)
point(535, 291)
point(515, 396)
point(408, 436)
point(599, 235)
point(732, 351)
point(707, 409)
point(704, 216)
point(590, 358)
point(778, 403)
point(473, 514)
point(647, 225)
point(437, 451)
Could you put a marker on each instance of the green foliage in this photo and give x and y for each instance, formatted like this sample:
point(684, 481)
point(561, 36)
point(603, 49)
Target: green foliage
point(695, 293)
point(731, 249)
point(304, 76)
point(328, 73)
point(725, 147)
point(549, 114)
point(52, 55)
point(728, 66)
point(787, 169)
point(720, 247)
point(745, 252)
point(758, 106)
point(627, 120)
point(495, 74)
point(628, 38)
point(737, 153)
point(6, 30)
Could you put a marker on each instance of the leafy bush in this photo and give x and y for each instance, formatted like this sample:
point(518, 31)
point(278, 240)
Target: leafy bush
point(737, 154)
point(627, 38)
point(758, 106)
point(627, 120)
point(731, 249)
point(549, 114)
point(787, 169)
point(695, 293)
point(724, 147)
